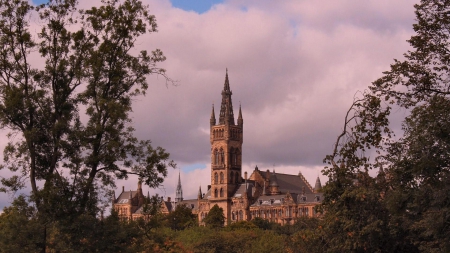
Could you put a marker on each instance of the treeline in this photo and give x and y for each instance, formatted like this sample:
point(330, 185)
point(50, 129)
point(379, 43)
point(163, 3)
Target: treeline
point(21, 230)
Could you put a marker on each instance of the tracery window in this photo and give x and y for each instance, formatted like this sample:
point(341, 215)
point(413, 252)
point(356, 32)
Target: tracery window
point(221, 156)
point(216, 156)
point(216, 178)
point(221, 177)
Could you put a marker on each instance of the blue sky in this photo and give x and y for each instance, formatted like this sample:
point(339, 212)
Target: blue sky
point(199, 6)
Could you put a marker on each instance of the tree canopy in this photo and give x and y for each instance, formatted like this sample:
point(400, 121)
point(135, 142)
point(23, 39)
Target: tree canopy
point(215, 217)
point(69, 116)
point(405, 207)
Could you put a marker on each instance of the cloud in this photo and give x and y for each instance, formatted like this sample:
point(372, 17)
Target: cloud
point(294, 66)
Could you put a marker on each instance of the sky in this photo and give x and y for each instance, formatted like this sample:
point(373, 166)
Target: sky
point(294, 66)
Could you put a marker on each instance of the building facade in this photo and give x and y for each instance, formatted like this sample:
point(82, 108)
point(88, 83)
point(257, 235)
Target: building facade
point(272, 196)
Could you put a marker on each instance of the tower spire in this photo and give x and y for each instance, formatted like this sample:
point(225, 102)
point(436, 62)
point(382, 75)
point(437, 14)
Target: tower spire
point(212, 121)
point(226, 108)
point(179, 191)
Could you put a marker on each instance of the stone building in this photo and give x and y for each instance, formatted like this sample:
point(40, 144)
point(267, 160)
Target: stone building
point(269, 195)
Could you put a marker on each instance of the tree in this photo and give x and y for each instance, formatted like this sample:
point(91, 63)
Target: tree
point(215, 217)
point(407, 203)
point(69, 117)
point(181, 218)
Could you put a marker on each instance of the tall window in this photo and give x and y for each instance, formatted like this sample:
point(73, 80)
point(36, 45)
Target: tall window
point(215, 193)
point(216, 178)
point(222, 156)
point(231, 177)
point(241, 215)
point(236, 179)
point(216, 156)
point(221, 177)
point(221, 192)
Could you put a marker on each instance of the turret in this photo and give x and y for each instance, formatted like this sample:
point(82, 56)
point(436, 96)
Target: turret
point(274, 187)
point(212, 121)
point(318, 185)
point(240, 120)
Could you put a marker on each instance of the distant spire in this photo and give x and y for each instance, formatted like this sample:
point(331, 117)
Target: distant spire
point(226, 108)
point(318, 185)
point(240, 120)
point(199, 195)
point(212, 121)
point(179, 191)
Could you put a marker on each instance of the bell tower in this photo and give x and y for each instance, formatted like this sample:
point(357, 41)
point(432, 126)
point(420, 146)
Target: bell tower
point(226, 139)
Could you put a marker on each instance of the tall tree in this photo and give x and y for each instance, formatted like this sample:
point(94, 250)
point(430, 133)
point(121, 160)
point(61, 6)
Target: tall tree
point(215, 217)
point(69, 116)
point(413, 167)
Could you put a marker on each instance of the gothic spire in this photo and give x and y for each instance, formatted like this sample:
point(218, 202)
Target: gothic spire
point(226, 108)
point(199, 195)
point(179, 191)
point(240, 120)
point(212, 121)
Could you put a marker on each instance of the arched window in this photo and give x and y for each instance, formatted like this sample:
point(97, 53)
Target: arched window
point(236, 179)
point(241, 215)
point(221, 192)
point(231, 177)
point(233, 217)
point(216, 178)
point(236, 157)
point(215, 193)
point(222, 156)
point(216, 156)
point(221, 177)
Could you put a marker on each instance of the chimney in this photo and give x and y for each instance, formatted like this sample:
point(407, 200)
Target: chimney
point(123, 188)
point(245, 175)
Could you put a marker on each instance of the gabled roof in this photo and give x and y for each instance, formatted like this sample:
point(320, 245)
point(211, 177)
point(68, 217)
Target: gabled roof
point(290, 183)
point(125, 196)
point(191, 203)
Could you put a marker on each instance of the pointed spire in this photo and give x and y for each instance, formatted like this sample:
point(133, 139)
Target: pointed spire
point(240, 119)
point(226, 86)
point(179, 191)
point(226, 108)
point(212, 121)
point(199, 195)
point(318, 185)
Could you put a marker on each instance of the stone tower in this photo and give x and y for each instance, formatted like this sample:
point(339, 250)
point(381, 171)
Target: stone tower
point(226, 139)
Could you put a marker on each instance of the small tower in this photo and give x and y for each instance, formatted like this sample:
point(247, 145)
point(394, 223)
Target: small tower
point(274, 187)
point(318, 185)
point(179, 191)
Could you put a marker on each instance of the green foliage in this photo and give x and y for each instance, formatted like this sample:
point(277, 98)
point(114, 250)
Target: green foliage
point(405, 208)
point(181, 218)
point(215, 217)
point(87, 71)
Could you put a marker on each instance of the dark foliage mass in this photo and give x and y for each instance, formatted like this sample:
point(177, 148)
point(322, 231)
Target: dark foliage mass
point(405, 208)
